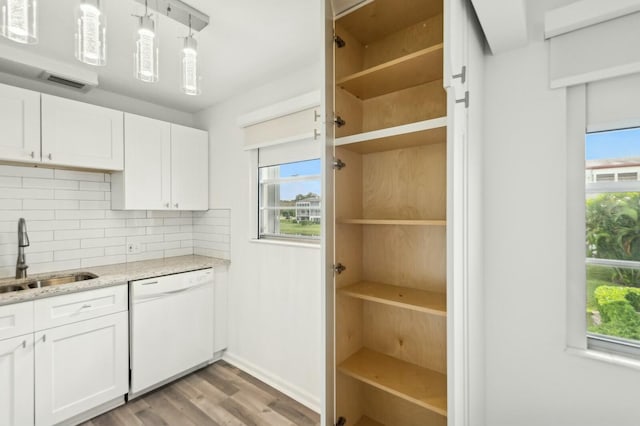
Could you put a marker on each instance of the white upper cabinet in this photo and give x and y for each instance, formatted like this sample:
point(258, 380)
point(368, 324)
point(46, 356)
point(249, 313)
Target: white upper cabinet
point(77, 134)
point(189, 168)
point(20, 124)
point(166, 167)
point(145, 183)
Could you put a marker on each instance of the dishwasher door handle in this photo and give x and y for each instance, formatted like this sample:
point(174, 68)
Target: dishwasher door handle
point(169, 293)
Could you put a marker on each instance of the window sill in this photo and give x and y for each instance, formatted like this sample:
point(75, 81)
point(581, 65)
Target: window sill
point(285, 243)
point(605, 357)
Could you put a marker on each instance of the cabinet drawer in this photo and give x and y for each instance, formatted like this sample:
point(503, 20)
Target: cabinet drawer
point(70, 308)
point(16, 320)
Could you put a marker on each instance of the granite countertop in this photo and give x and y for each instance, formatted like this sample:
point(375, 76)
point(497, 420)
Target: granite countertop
point(108, 275)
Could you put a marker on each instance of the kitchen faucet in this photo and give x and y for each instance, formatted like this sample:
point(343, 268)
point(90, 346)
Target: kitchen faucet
point(23, 241)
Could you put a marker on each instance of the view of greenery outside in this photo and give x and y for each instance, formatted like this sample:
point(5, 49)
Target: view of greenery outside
point(613, 294)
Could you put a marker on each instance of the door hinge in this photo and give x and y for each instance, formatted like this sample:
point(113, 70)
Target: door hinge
point(341, 421)
point(339, 121)
point(339, 41)
point(338, 164)
point(339, 268)
point(462, 76)
point(464, 100)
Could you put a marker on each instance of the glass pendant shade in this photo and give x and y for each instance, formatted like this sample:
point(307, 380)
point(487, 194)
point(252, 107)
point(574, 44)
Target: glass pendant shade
point(146, 55)
point(20, 20)
point(191, 82)
point(91, 31)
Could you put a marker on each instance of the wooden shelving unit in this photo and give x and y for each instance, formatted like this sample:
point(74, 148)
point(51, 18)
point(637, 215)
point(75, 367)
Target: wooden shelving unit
point(366, 421)
point(422, 133)
point(390, 205)
point(411, 70)
point(401, 222)
point(421, 386)
point(402, 297)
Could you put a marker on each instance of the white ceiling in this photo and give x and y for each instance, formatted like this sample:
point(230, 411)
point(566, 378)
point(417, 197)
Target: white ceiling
point(247, 43)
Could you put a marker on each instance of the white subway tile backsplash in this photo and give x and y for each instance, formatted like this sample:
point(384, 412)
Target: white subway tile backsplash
point(50, 204)
point(103, 242)
point(10, 204)
point(79, 234)
point(25, 171)
point(95, 205)
point(24, 193)
point(80, 214)
point(10, 182)
point(63, 194)
point(65, 184)
point(102, 223)
point(71, 224)
point(95, 186)
point(36, 183)
point(78, 254)
point(76, 175)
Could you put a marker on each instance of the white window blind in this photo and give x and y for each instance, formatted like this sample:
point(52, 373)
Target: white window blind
point(307, 149)
point(288, 128)
point(595, 52)
point(613, 103)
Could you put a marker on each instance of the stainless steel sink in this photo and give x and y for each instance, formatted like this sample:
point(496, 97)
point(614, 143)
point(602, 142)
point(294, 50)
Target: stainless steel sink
point(47, 281)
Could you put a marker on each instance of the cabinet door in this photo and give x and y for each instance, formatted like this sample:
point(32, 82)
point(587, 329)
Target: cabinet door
point(80, 366)
point(20, 124)
point(189, 168)
point(81, 135)
point(16, 381)
point(146, 182)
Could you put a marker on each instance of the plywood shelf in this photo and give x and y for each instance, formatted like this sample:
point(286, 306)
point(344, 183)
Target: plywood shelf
point(402, 222)
point(366, 421)
point(426, 132)
point(403, 297)
point(410, 382)
point(411, 70)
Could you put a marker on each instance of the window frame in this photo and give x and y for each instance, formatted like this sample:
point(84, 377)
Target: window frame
point(579, 340)
point(258, 196)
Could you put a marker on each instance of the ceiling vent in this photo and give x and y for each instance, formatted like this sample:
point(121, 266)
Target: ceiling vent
point(65, 81)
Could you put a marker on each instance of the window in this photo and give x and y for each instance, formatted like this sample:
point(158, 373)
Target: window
point(290, 201)
point(612, 240)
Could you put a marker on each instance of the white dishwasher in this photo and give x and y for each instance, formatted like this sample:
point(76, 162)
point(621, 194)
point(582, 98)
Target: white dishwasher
point(171, 327)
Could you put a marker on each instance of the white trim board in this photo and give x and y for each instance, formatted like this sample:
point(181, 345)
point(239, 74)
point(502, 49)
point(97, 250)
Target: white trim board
point(300, 395)
point(585, 13)
point(286, 107)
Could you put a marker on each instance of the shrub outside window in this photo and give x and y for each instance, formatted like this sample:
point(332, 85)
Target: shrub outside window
point(290, 201)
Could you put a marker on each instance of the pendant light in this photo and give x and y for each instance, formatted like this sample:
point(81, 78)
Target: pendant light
point(146, 56)
point(190, 70)
point(91, 30)
point(20, 20)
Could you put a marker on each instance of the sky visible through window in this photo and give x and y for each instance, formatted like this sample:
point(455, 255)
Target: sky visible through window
point(613, 144)
point(302, 168)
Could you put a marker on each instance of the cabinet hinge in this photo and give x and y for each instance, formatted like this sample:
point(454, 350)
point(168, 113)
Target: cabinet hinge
point(338, 268)
point(338, 164)
point(462, 76)
point(339, 41)
point(341, 421)
point(464, 100)
point(339, 121)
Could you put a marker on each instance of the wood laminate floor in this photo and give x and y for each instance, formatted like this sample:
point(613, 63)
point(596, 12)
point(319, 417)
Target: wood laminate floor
point(217, 395)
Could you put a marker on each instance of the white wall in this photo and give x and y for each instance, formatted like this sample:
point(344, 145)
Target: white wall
point(530, 380)
point(274, 290)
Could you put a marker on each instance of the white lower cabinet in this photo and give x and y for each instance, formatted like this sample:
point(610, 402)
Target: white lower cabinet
point(16, 381)
point(72, 359)
point(80, 366)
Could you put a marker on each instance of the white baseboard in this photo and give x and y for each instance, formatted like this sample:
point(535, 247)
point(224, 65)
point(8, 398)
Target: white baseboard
point(302, 396)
